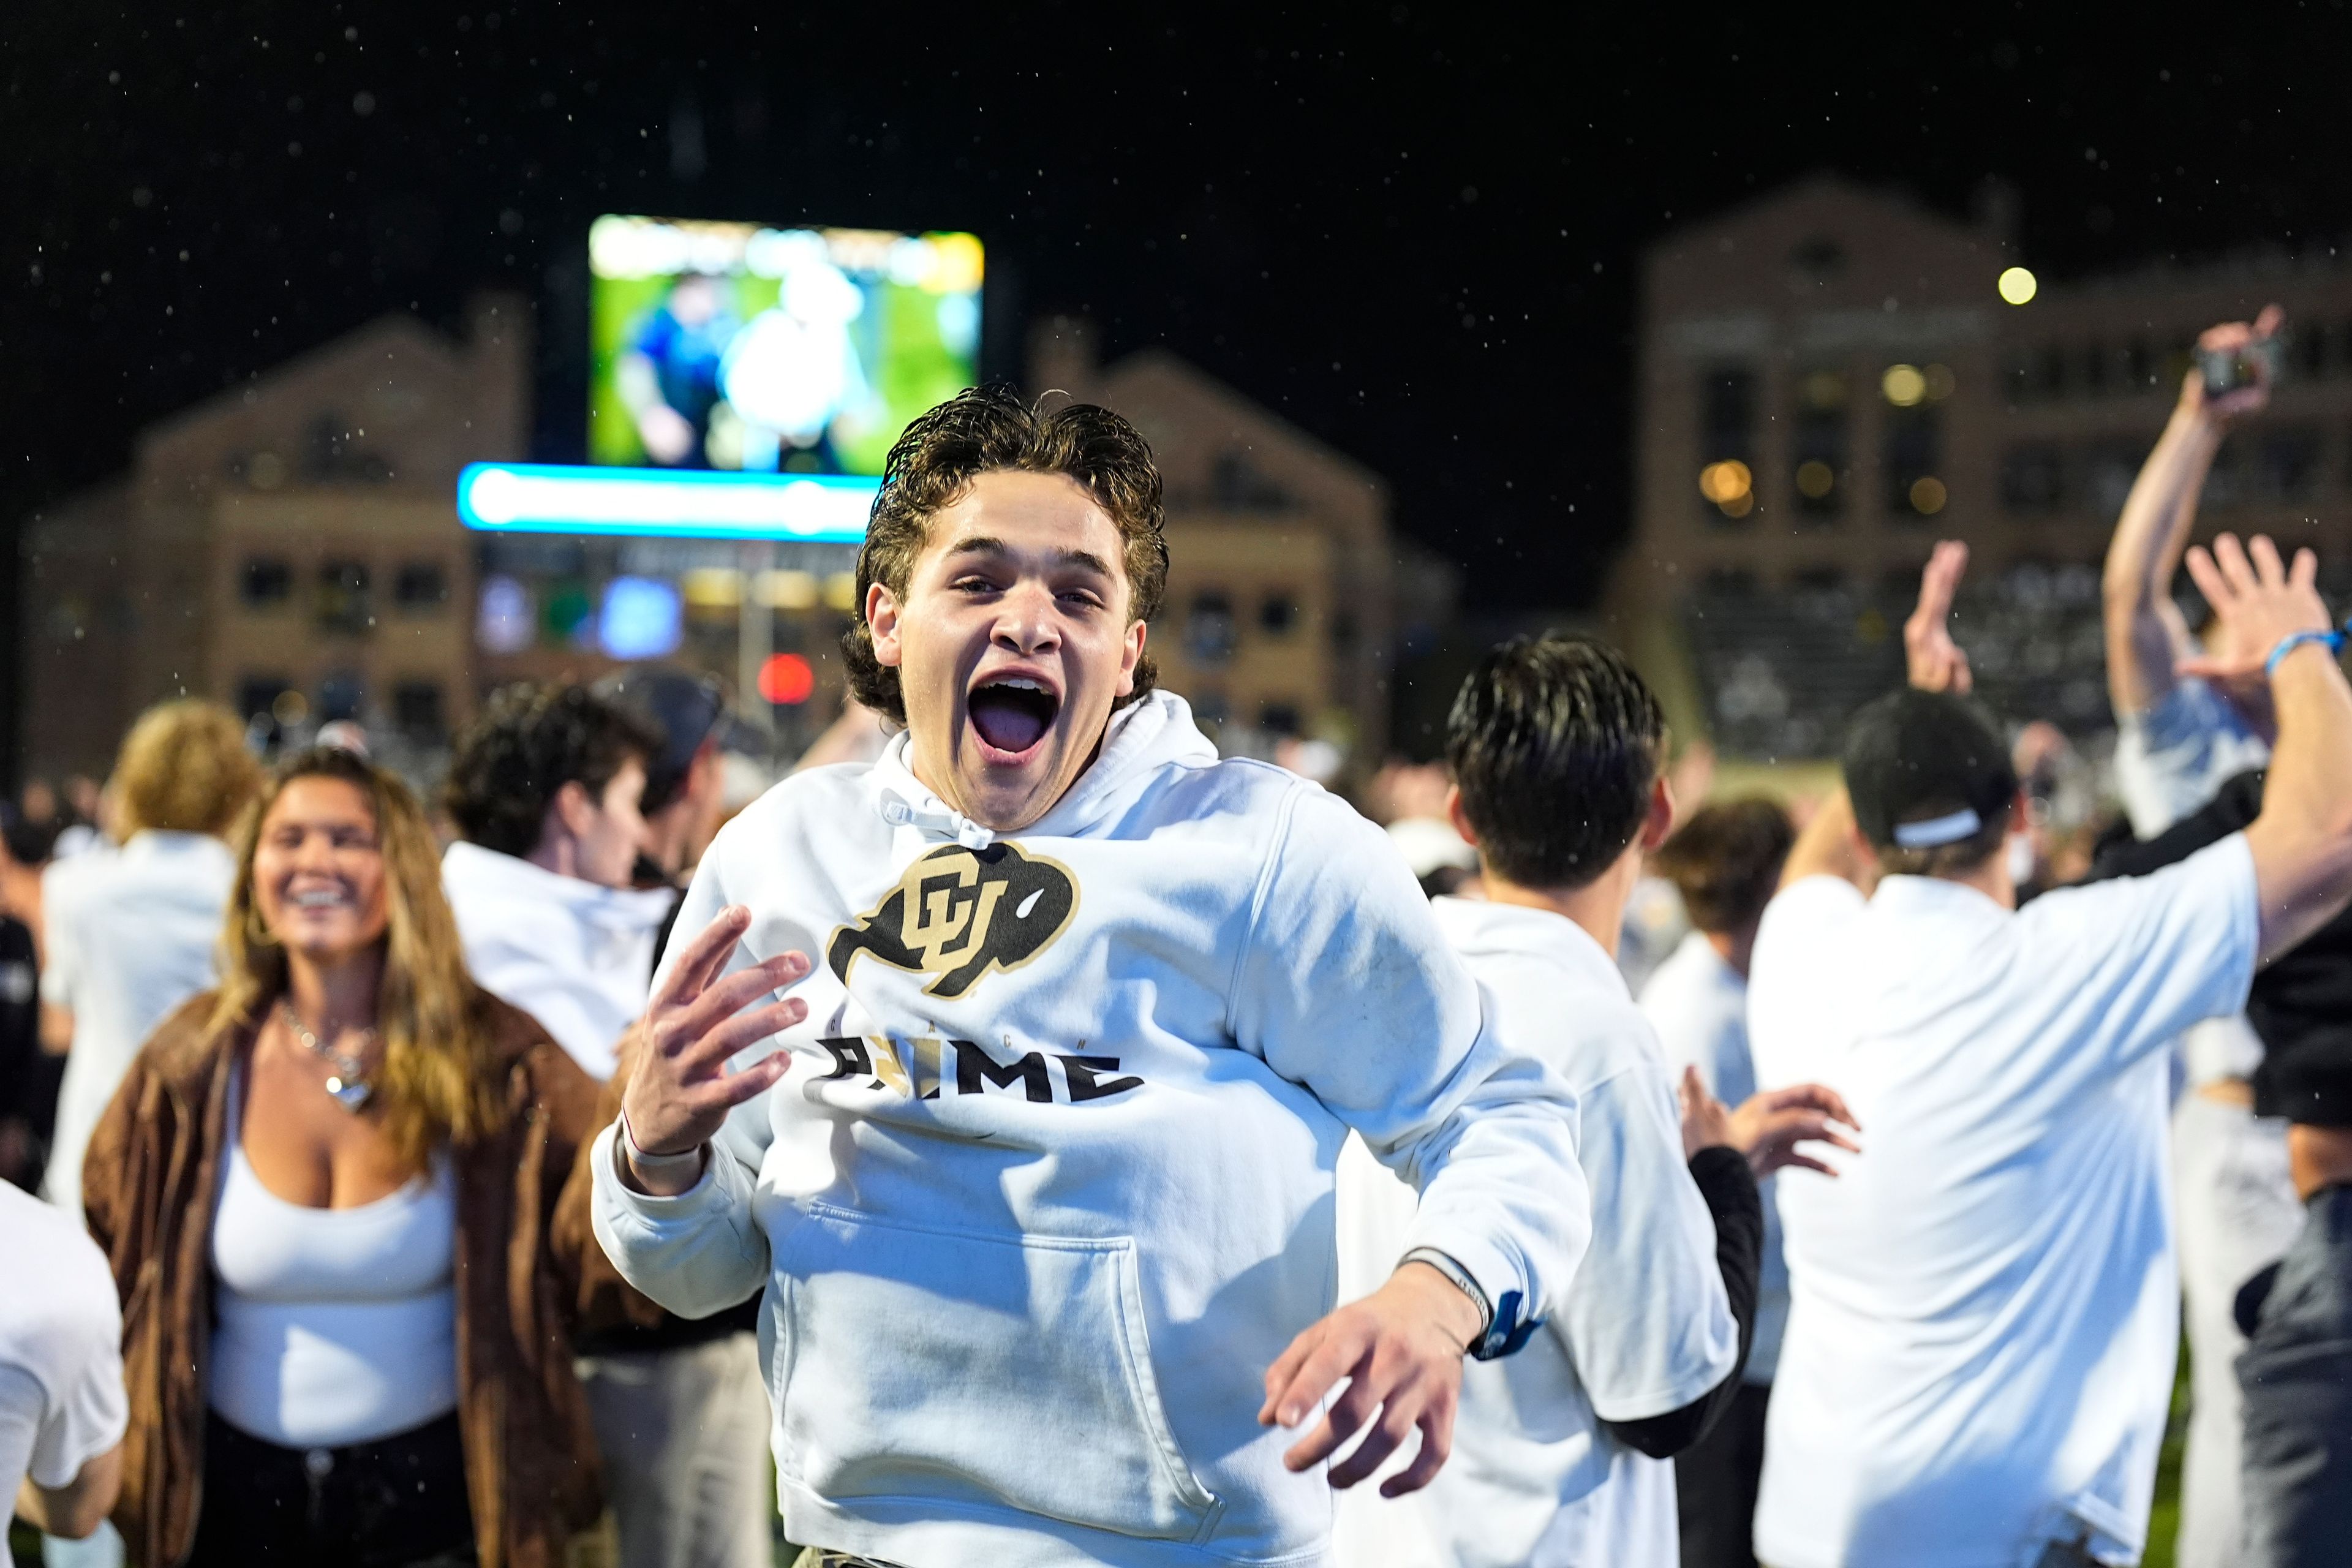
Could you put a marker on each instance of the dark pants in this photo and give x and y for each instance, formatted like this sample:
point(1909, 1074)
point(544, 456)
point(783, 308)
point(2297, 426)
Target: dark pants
point(398, 1502)
point(1715, 1485)
point(2296, 1373)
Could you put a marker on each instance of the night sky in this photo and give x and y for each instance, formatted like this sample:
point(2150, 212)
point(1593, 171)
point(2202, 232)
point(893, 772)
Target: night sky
point(1410, 229)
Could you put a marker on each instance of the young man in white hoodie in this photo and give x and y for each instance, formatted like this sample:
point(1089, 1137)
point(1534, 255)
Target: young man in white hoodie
point(1042, 1214)
point(1562, 1453)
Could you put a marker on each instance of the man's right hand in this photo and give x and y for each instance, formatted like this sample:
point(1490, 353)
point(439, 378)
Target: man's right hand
point(681, 1091)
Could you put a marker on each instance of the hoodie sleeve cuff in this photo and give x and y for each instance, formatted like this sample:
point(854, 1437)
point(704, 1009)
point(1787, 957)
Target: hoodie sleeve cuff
point(1500, 1278)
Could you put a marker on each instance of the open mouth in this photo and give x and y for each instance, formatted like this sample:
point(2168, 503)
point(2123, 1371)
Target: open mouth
point(1012, 715)
point(311, 899)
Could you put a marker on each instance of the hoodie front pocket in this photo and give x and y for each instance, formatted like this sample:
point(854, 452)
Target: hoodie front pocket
point(977, 1371)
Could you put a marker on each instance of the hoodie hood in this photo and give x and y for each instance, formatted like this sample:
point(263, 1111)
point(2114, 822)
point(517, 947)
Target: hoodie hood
point(1154, 731)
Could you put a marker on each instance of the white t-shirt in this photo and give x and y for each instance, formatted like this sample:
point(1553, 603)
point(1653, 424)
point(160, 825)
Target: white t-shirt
point(1698, 1005)
point(130, 936)
point(61, 1400)
point(1645, 1326)
point(1985, 1305)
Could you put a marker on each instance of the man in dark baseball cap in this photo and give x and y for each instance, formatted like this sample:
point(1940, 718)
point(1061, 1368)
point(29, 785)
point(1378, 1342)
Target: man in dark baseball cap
point(1984, 1307)
point(1932, 784)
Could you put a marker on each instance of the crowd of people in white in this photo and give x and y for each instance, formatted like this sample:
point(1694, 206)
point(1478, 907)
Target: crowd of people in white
point(1022, 1137)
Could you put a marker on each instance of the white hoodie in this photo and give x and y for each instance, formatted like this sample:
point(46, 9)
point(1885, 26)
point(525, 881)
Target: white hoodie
point(574, 954)
point(1049, 1186)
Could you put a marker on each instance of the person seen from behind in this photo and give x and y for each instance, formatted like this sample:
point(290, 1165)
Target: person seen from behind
point(325, 1191)
point(1556, 750)
point(1983, 1319)
point(1726, 863)
point(130, 936)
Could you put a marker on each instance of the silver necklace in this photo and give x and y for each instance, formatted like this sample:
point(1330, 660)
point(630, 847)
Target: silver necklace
point(347, 1086)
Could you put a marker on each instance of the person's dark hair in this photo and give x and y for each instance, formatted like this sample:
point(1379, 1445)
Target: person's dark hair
point(989, 429)
point(528, 742)
point(1554, 742)
point(1931, 780)
point(1725, 861)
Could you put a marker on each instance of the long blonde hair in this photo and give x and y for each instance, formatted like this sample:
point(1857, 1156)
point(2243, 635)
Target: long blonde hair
point(439, 1079)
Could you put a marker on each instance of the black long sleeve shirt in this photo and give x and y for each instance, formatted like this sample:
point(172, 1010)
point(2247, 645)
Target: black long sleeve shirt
point(1738, 1206)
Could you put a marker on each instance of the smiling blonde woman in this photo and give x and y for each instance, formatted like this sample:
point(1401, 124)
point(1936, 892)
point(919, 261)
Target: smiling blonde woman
point(324, 1190)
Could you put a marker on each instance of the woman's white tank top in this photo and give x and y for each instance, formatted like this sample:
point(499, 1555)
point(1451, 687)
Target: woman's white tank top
point(332, 1326)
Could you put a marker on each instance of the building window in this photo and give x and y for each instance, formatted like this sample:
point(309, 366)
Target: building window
point(420, 587)
point(342, 694)
point(2307, 352)
point(2033, 480)
point(1236, 484)
point(268, 583)
point(2094, 368)
point(2287, 463)
point(2017, 377)
point(257, 695)
point(2050, 370)
point(1913, 456)
point(2109, 470)
point(1209, 630)
point(343, 602)
point(417, 712)
point(1279, 718)
point(1817, 258)
point(2140, 362)
point(1728, 441)
point(1277, 615)
point(1210, 706)
point(1818, 444)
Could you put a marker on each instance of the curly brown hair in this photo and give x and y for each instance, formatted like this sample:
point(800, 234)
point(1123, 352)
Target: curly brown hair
point(989, 429)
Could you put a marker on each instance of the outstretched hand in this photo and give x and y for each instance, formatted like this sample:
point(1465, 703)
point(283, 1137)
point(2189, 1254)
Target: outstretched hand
point(1766, 1128)
point(679, 1091)
point(1400, 1350)
point(1932, 660)
point(2257, 600)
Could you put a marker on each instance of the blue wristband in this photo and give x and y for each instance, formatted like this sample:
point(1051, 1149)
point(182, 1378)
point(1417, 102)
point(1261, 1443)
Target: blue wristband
point(2294, 640)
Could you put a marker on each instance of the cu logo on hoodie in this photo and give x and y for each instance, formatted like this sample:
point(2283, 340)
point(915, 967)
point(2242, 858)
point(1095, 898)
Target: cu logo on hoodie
point(958, 913)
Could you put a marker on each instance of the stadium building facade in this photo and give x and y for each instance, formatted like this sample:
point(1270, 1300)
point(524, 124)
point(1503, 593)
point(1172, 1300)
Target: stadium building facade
point(1833, 377)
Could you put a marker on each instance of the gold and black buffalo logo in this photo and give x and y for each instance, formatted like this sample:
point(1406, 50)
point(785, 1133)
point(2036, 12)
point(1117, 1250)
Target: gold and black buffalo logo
point(958, 913)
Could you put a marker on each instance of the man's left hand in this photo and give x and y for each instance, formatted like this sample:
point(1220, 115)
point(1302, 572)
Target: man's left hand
point(1400, 1350)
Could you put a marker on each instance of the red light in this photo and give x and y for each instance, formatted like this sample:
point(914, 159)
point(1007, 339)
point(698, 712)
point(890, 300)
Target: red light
point(786, 677)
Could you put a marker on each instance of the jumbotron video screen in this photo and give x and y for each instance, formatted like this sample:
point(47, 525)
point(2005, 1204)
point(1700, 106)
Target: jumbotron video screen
point(736, 346)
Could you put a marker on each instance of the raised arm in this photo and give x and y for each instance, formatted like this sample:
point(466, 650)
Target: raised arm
point(2145, 634)
point(2302, 842)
